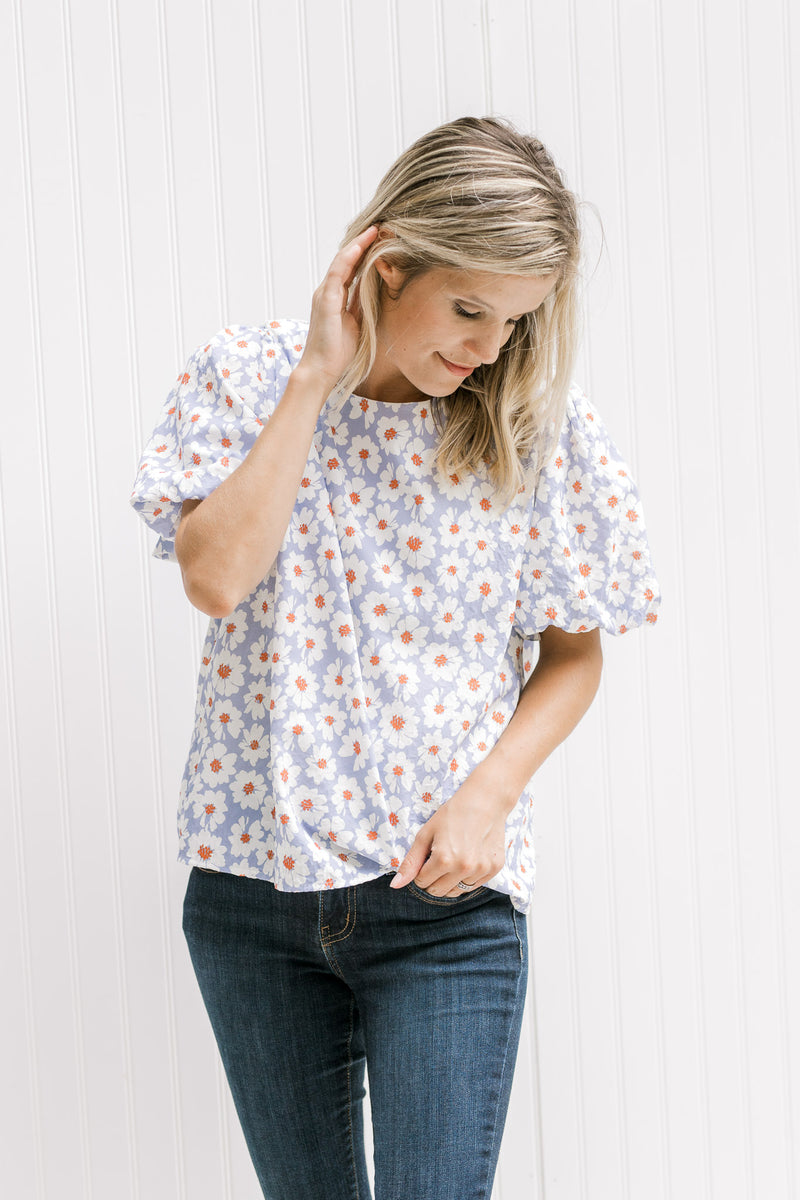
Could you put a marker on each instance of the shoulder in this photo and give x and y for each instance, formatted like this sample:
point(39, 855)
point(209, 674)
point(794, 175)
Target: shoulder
point(276, 342)
point(586, 464)
point(283, 340)
point(581, 418)
point(584, 436)
point(247, 364)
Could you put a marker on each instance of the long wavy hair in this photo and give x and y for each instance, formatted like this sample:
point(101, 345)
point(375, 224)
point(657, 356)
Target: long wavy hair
point(476, 194)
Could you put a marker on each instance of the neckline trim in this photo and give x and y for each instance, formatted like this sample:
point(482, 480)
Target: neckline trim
point(393, 403)
point(337, 402)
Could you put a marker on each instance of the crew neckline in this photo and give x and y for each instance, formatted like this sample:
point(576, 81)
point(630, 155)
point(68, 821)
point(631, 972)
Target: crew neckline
point(410, 407)
point(393, 403)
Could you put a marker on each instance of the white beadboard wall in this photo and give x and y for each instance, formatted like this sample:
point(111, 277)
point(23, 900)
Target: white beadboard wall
point(170, 166)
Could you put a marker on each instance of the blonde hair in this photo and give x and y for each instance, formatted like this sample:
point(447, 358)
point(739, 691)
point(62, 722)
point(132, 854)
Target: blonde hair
point(476, 194)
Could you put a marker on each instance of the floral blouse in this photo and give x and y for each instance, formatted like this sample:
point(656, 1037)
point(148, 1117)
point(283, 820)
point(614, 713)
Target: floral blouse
point(382, 656)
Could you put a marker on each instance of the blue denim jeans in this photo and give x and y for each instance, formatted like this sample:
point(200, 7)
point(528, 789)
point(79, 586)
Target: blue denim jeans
point(305, 989)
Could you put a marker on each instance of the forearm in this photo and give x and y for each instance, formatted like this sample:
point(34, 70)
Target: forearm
point(228, 543)
point(558, 693)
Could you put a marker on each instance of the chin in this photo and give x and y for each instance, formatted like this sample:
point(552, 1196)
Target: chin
point(442, 387)
point(449, 391)
point(433, 388)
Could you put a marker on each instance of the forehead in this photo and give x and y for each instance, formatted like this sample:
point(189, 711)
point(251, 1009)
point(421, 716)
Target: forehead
point(517, 293)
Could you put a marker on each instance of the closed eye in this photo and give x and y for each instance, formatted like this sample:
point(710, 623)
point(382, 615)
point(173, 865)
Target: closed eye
point(472, 316)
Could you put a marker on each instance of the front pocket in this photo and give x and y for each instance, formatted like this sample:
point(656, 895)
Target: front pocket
point(421, 894)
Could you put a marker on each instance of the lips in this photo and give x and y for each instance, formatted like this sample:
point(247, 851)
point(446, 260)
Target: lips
point(456, 368)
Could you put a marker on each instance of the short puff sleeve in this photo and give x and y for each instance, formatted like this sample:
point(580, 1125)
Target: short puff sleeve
point(587, 563)
point(209, 421)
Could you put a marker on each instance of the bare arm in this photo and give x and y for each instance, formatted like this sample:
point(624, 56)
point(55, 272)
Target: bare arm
point(226, 543)
point(465, 838)
point(561, 687)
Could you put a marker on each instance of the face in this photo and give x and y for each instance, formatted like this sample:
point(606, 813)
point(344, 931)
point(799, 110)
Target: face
point(443, 325)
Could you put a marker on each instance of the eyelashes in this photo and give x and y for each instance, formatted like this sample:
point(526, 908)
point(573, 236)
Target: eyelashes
point(473, 316)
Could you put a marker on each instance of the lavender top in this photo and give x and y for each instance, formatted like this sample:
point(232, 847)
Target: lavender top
point(382, 656)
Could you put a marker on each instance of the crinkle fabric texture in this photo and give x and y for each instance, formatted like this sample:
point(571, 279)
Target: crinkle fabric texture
point(382, 656)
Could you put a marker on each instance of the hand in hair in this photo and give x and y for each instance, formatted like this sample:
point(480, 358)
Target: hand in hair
point(335, 315)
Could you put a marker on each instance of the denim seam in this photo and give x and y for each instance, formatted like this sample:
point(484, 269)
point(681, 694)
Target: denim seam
point(347, 928)
point(350, 1096)
point(488, 1189)
point(516, 915)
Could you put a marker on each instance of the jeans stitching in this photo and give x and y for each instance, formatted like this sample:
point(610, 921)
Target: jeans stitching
point(350, 1096)
point(347, 928)
point(487, 1190)
point(515, 915)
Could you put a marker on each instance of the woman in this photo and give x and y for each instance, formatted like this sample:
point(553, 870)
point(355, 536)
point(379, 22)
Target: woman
point(377, 511)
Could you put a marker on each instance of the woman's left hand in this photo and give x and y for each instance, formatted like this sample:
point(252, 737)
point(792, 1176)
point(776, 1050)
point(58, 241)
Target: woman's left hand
point(464, 840)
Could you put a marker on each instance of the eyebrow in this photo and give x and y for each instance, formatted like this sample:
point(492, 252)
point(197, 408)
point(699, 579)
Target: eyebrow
point(476, 300)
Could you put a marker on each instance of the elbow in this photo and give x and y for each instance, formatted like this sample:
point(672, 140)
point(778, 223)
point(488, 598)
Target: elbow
point(204, 591)
point(208, 597)
point(215, 609)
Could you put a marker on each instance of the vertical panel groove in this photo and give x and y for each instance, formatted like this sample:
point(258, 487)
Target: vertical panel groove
point(441, 74)
point(680, 602)
point(619, 1039)
point(20, 856)
point(168, 973)
point(530, 51)
point(397, 94)
point(536, 1100)
point(308, 157)
point(794, 276)
point(63, 784)
point(352, 119)
point(221, 257)
point(716, 492)
point(662, 1170)
point(216, 172)
point(265, 224)
point(531, 1006)
point(682, 617)
point(16, 780)
point(122, 977)
point(574, 85)
point(486, 47)
point(766, 584)
point(794, 241)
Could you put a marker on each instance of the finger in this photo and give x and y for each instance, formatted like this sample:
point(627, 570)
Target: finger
point(362, 244)
point(473, 877)
point(354, 305)
point(443, 885)
point(343, 267)
point(463, 891)
point(441, 890)
point(331, 296)
point(414, 860)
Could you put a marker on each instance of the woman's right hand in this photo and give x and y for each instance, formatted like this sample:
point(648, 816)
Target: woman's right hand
point(334, 328)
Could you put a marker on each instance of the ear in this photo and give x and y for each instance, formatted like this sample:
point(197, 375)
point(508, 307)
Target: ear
point(391, 275)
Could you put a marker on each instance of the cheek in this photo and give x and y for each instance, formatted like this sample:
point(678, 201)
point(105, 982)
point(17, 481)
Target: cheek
point(448, 333)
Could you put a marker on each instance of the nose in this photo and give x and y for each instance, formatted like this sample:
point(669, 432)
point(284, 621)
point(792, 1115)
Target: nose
point(487, 343)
